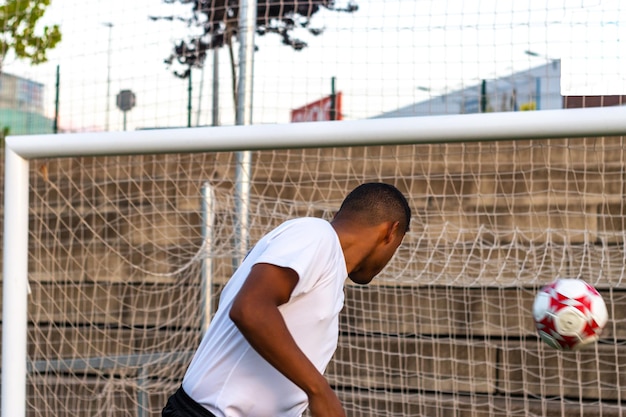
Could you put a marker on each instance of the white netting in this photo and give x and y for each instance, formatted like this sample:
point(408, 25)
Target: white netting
point(116, 264)
point(116, 243)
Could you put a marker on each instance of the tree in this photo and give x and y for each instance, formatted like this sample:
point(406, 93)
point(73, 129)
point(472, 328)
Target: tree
point(4, 132)
point(217, 21)
point(18, 20)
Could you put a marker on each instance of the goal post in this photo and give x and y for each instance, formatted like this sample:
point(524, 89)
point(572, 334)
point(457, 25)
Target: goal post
point(562, 123)
point(15, 284)
point(549, 124)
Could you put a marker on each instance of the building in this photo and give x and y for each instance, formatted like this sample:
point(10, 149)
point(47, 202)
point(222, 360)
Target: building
point(538, 88)
point(22, 106)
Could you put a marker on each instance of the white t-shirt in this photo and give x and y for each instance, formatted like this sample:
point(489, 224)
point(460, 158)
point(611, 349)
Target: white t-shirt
point(227, 376)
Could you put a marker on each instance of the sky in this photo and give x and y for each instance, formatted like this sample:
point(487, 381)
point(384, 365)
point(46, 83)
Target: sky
point(388, 54)
point(595, 57)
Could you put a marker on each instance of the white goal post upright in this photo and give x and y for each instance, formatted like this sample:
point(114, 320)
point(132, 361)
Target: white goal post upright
point(546, 124)
point(15, 284)
point(208, 216)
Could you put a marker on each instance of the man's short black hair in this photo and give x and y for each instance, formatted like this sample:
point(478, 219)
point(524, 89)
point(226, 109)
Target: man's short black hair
point(376, 202)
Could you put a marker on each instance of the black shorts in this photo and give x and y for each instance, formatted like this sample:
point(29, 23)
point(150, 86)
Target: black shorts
point(182, 405)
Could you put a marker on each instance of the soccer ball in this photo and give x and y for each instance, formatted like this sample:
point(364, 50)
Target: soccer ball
point(569, 314)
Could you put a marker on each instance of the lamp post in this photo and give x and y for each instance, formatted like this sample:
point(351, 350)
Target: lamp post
point(538, 92)
point(532, 53)
point(542, 56)
point(108, 111)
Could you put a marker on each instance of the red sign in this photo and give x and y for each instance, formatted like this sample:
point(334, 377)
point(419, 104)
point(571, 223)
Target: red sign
point(571, 102)
point(317, 111)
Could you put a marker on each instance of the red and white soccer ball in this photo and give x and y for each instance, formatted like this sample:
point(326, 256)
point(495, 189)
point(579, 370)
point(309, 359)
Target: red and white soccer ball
point(569, 314)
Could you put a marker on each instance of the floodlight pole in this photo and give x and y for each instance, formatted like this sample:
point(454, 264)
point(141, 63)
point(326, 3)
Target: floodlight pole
point(55, 126)
point(247, 25)
point(215, 121)
point(110, 26)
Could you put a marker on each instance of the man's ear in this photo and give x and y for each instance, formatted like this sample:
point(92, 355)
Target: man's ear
point(392, 229)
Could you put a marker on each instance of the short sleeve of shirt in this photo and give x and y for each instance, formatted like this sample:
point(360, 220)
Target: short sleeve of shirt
point(308, 246)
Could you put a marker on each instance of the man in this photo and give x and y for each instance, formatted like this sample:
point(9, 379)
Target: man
point(277, 324)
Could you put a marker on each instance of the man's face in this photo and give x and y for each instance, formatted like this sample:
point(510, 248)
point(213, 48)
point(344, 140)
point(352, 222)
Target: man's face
point(377, 259)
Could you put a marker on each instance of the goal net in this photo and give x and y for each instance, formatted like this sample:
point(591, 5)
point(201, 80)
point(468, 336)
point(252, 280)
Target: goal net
point(119, 248)
point(466, 106)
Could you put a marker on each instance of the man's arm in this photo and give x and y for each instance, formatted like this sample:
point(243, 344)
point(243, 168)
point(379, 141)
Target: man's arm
point(255, 312)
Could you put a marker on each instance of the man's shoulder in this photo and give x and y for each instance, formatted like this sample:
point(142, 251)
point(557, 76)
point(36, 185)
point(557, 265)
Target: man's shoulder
point(309, 220)
point(304, 227)
point(313, 223)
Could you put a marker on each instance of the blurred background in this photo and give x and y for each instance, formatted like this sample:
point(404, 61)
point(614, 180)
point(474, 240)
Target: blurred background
point(151, 64)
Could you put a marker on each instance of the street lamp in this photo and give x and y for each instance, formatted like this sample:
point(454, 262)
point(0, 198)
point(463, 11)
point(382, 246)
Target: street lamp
point(538, 55)
point(110, 26)
point(538, 92)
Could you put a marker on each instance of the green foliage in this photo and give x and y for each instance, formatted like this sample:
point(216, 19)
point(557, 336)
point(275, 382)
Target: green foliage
point(217, 22)
point(18, 21)
point(4, 132)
